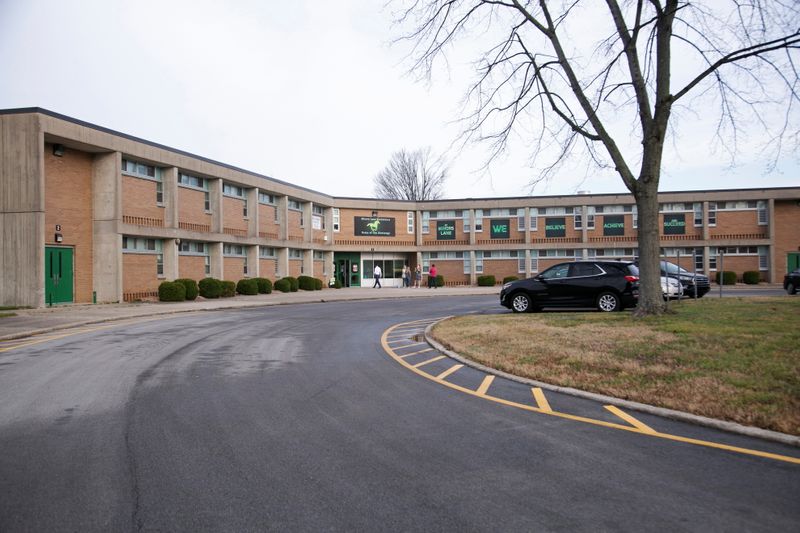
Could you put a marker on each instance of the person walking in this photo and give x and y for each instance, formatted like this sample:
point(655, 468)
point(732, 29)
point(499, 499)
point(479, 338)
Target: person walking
point(417, 277)
point(406, 277)
point(377, 272)
point(432, 276)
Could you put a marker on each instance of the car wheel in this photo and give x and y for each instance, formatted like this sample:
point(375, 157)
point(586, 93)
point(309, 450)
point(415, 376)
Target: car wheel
point(608, 302)
point(790, 288)
point(520, 303)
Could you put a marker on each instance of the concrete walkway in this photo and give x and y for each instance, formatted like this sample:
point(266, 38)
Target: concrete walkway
point(34, 321)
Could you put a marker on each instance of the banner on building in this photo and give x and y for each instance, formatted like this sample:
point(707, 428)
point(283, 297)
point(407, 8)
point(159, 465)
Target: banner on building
point(555, 227)
point(675, 224)
point(445, 230)
point(500, 228)
point(613, 225)
point(374, 226)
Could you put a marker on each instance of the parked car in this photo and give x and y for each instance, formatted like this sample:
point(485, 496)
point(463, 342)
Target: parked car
point(671, 287)
point(691, 281)
point(791, 281)
point(605, 285)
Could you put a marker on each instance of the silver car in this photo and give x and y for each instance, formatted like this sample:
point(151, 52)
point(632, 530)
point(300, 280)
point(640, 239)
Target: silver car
point(671, 287)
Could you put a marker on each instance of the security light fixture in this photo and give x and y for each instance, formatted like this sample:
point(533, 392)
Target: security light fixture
point(374, 214)
point(58, 150)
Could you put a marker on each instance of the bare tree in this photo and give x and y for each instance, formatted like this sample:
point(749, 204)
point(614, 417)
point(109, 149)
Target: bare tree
point(595, 79)
point(411, 176)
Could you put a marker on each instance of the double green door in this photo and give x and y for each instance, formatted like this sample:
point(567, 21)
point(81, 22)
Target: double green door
point(58, 275)
point(792, 261)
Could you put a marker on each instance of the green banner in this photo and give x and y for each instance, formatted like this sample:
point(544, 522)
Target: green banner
point(500, 228)
point(613, 225)
point(445, 230)
point(555, 227)
point(675, 224)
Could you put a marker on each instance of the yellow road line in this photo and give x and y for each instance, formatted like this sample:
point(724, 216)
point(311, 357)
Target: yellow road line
point(449, 371)
point(602, 423)
point(630, 420)
point(487, 382)
point(402, 339)
point(409, 345)
point(50, 338)
point(415, 353)
point(431, 360)
point(541, 401)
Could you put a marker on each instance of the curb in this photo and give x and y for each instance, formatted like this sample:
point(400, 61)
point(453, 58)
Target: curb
point(730, 427)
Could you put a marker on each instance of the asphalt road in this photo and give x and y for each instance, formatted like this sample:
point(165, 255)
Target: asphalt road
point(295, 418)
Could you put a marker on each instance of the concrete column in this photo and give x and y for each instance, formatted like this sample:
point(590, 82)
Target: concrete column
point(253, 264)
point(706, 256)
point(472, 236)
point(308, 230)
point(473, 275)
point(329, 268)
point(418, 228)
point(527, 225)
point(169, 179)
point(283, 262)
point(215, 198)
point(215, 257)
point(169, 251)
point(585, 230)
point(528, 272)
point(106, 240)
point(706, 229)
point(283, 220)
point(308, 262)
point(329, 227)
point(771, 253)
point(251, 197)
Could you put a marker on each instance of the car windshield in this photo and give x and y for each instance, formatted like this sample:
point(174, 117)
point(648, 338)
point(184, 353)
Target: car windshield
point(633, 269)
point(671, 268)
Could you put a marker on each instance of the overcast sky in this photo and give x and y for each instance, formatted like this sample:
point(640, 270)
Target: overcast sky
point(310, 92)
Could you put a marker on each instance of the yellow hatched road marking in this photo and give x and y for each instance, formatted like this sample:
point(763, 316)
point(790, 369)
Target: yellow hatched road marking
point(431, 360)
point(415, 353)
point(576, 418)
point(449, 371)
point(50, 338)
point(541, 401)
point(630, 420)
point(403, 339)
point(487, 382)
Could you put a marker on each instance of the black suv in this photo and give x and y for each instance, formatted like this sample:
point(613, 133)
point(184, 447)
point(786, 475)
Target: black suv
point(606, 285)
point(691, 281)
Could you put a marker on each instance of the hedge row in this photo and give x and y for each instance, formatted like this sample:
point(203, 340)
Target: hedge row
point(751, 277)
point(188, 289)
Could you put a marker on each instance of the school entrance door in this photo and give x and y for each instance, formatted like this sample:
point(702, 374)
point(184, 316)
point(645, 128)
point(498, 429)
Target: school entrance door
point(58, 275)
point(792, 261)
point(348, 268)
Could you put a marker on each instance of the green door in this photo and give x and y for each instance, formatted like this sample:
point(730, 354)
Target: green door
point(57, 275)
point(347, 266)
point(793, 261)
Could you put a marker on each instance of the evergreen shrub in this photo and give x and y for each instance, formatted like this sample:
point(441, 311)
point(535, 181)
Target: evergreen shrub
point(191, 287)
point(486, 281)
point(728, 277)
point(248, 286)
point(210, 288)
point(264, 285)
point(283, 285)
point(228, 289)
point(751, 277)
point(171, 291)
point(305, 283)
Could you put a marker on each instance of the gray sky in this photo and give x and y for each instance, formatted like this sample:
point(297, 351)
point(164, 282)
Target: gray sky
point(309, 92)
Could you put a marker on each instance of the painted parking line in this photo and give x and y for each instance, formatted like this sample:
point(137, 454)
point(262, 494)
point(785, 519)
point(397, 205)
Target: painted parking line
point(429, 361)
point(485, 384)
point(541, 401)
point(454, 368)
point(544, 408)
point(415, 353)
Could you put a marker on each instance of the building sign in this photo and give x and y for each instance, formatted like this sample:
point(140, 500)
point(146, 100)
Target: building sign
point(374, 226)
point(445, 230)
point(499, 228)
point(675, 224)
point(555, 227)
point(613, 225)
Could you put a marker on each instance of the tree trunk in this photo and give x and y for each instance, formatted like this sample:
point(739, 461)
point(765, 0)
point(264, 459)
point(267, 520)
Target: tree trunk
point(651, 298)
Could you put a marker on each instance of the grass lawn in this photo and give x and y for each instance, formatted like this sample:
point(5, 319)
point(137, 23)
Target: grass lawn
point(735, 359)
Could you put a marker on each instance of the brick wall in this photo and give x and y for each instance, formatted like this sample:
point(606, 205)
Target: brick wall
point(192, 267)
point(295, 267)
point(787, 235)
point(430, 237)
point(267, 268)
point(541, 221)
point(191, 207)
point(266, 220)
point(295, 230)
point(139, 199)
point(68, 202)
point(630, 233)
point(737, 223)
point(732, 263)
point(233, 268)
point(139, 273)
point(501, 268)
point(232, 212)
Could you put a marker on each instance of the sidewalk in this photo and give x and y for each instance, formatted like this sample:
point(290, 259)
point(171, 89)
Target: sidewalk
point(35, 321)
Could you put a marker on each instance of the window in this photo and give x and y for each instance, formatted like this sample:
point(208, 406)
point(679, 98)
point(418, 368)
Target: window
point(319, 256)
point(267, 252)
point(590, 218)
point(159, 264)
point(232, 190)
point(187, 180)
point(466, 220)
point(673, 208)
point(160, 193)
point(635, 216)
point(521, 219)
point(763, 258)
point(570, 253)
point(557, 210)
point(712, 213)
point(479, 222)
point(584, 270)
point(410, 222)
point(467, 263)
point(762, 213)
point(336, 219)
point(318, 210)
point(265, 198)
point(479, 262)
point(698, 214)
point(578, 219)
point(233, 250)
point(207, 265)
point(193, 248)
point(426, 222)
point(521, 264)
point(698, 259)
point(534, 261)
point(295, 253)
point(141, 170)
point(534, 217)
point(317, 222)
point(244, 266)
point(294, 205)
point(244, 208)
point(558, 271)
point(140, 244)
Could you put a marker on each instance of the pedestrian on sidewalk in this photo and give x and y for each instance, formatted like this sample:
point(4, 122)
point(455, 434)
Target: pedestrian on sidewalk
point(417, 277)
point(432, 276)
point(406, 276)
point(377, 272)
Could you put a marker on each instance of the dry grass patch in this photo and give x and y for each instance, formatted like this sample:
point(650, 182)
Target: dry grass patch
point(735, 359)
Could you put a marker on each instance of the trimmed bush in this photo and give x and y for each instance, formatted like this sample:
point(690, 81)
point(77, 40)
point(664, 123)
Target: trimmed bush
point(486, 281)
point(171, 291)
point(751, 277)
point(191, 287)
point(247, 286)
point(264, 285)
point(210, 288)
point(439, 280)
point(728, 277)
point(509, 279)
point(306, 283)
point(317, 284)
point(228, 289)
point(294, 285)
point(283, 285)
point(337, 284)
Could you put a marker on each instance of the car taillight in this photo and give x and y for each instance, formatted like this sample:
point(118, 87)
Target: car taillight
point(631, 278)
